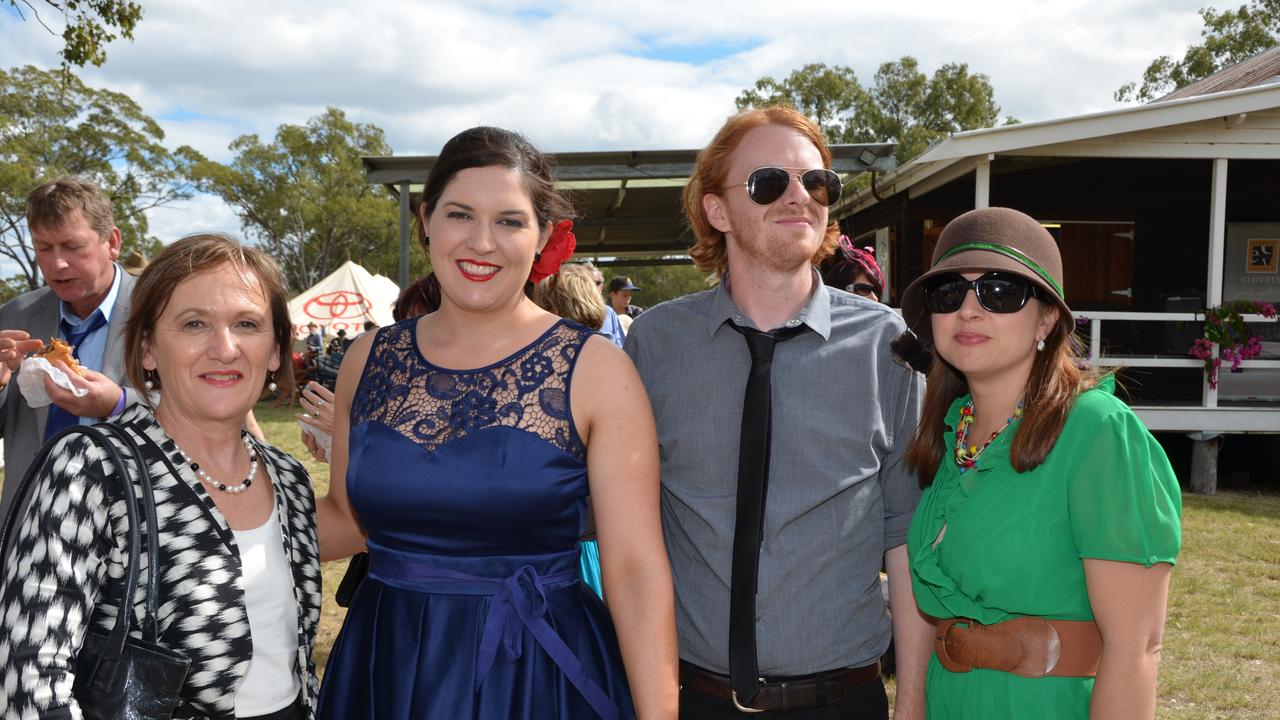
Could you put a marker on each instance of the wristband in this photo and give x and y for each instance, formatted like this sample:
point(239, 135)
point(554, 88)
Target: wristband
point(120, 404)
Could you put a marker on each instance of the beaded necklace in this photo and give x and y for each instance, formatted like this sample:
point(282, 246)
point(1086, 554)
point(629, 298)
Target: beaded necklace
point(966, 454)
point(234, 489)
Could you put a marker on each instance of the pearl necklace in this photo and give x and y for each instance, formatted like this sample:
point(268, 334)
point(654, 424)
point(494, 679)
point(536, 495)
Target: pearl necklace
point(248, 480)
point(966, 454)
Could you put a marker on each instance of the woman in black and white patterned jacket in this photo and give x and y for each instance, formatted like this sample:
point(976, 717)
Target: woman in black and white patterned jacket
point(239, 573)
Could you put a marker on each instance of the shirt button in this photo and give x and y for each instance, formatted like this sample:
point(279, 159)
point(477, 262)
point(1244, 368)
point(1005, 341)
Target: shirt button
point(1152, 559)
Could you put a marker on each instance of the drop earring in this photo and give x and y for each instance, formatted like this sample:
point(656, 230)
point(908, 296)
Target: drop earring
point(272, 386)
point(148, 381)
point(1040, 345)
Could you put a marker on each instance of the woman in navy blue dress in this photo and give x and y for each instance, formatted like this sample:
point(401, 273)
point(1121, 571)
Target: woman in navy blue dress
point(465, 446)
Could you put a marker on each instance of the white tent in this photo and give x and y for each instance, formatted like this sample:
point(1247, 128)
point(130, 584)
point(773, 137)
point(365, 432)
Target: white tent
point(344, 301)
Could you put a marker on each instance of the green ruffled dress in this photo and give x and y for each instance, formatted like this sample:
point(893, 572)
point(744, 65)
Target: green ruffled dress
point(1014, 544)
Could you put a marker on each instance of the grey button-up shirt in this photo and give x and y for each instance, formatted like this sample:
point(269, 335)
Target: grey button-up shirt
point(839, 496)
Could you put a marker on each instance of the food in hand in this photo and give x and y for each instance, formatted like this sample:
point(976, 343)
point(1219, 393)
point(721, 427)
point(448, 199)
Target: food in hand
point(56, 350)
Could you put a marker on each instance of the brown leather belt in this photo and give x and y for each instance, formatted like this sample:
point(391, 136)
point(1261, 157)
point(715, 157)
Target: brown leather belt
point(782, 693)
point(1030, 646)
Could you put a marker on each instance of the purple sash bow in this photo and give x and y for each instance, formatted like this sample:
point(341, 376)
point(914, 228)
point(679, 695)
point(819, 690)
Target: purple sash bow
point(519, 603)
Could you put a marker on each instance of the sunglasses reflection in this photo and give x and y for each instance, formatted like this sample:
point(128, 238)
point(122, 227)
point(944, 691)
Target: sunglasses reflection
point(997, 292)
point(765, 185)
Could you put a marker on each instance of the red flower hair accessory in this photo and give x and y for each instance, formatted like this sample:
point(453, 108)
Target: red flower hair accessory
point(559, 248)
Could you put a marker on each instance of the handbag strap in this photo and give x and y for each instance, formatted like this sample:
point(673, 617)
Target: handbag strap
point(116, 639)
point(150, 621)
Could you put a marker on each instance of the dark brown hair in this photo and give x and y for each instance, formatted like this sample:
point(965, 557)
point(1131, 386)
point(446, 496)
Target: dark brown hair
point(1057, 377)
point(49, 205)
point(710, 173)
point(420, 298)
point(491, 146)
point(191, 256)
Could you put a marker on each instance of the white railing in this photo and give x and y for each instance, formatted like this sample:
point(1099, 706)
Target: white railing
point(1237, 419)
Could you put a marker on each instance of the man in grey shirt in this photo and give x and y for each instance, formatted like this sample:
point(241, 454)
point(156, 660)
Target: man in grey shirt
point(838, 498)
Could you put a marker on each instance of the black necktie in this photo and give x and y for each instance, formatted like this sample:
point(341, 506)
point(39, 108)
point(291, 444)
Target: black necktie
point(753, 486)
point(59, 418)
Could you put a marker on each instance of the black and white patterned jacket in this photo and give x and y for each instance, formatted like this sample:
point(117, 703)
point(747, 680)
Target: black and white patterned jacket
point(66, 568)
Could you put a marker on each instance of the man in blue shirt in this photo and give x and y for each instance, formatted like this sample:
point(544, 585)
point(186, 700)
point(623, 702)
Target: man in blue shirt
point(612, 327)
point(85, 303)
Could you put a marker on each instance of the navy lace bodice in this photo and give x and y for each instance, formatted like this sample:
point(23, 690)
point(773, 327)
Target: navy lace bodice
point(482, 461)
point(432, 406)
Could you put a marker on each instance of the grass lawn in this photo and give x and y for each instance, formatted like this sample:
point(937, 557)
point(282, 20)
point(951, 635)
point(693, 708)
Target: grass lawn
point(1222, 636)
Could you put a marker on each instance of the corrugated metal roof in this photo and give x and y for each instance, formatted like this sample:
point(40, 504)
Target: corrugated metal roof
point(629, 201)
point(1260, 69)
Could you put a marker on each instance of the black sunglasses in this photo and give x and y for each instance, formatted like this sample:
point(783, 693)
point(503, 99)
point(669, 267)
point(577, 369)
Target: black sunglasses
point(766, 184)
point(998, 292)
point(859, 288)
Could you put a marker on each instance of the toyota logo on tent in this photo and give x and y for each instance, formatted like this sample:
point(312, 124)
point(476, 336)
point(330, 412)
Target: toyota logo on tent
point(338, 305)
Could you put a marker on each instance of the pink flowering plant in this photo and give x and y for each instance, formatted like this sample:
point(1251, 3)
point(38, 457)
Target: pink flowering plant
point(1225, 326)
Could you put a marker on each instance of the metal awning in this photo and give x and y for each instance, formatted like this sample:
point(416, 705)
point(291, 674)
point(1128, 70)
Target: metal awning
point(628, 202)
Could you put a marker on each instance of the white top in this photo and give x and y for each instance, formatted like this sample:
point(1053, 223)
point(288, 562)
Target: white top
point(270, 683)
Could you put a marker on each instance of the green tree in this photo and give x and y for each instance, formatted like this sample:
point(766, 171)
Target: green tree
point(89, 25)
point(1230, 36)
point(12, 287)
point(305, 199)
point(52, 124)
point(903, 104)
point(658, 283)
point(829, 95)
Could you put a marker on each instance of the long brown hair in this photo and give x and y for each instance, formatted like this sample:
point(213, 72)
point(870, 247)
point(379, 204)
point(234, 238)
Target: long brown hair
point(1057, 376)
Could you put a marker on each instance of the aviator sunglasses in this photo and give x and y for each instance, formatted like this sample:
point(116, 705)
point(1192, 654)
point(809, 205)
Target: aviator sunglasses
point(998, 292)
point(766, 184)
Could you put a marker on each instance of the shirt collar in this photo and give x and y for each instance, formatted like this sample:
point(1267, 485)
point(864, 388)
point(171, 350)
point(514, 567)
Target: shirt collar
point(816, 313)
point(105, 307)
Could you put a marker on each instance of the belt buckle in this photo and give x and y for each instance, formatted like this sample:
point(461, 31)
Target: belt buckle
point(733, 695)
point(942, 641)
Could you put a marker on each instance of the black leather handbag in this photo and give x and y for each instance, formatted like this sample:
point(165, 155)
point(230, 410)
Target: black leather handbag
point(357, 569)
point(119, 677)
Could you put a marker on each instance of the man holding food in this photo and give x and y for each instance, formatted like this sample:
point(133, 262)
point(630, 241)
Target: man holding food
point(85, 305)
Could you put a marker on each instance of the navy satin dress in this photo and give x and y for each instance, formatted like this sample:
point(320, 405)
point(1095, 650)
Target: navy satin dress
point(472, 486)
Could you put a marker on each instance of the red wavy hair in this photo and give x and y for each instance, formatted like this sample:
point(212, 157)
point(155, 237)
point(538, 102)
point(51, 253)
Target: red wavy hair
point(712, 167)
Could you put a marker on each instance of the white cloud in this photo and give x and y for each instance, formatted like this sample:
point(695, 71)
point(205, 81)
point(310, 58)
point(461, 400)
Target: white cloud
point(202, 213)
point(581, 74)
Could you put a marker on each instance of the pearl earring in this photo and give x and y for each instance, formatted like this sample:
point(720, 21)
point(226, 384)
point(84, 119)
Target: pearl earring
point(149, 382)
point(272, 386)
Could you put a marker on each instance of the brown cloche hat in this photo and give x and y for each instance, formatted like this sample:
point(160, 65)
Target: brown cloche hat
point(988, 239)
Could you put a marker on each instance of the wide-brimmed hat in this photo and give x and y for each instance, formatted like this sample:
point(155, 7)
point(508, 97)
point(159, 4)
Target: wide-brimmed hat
point(984, 240)
point(135, 262)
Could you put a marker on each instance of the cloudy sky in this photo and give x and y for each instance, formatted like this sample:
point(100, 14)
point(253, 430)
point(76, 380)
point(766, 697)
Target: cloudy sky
point(580, 74)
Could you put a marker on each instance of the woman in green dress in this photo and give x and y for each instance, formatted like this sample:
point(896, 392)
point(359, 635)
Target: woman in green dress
point(1043, 544)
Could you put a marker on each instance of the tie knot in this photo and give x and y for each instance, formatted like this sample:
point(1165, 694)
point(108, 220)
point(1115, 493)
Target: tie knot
point(761, 344)
point(76, 335)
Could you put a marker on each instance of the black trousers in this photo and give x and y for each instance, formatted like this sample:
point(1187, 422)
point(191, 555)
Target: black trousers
point(865, 702)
